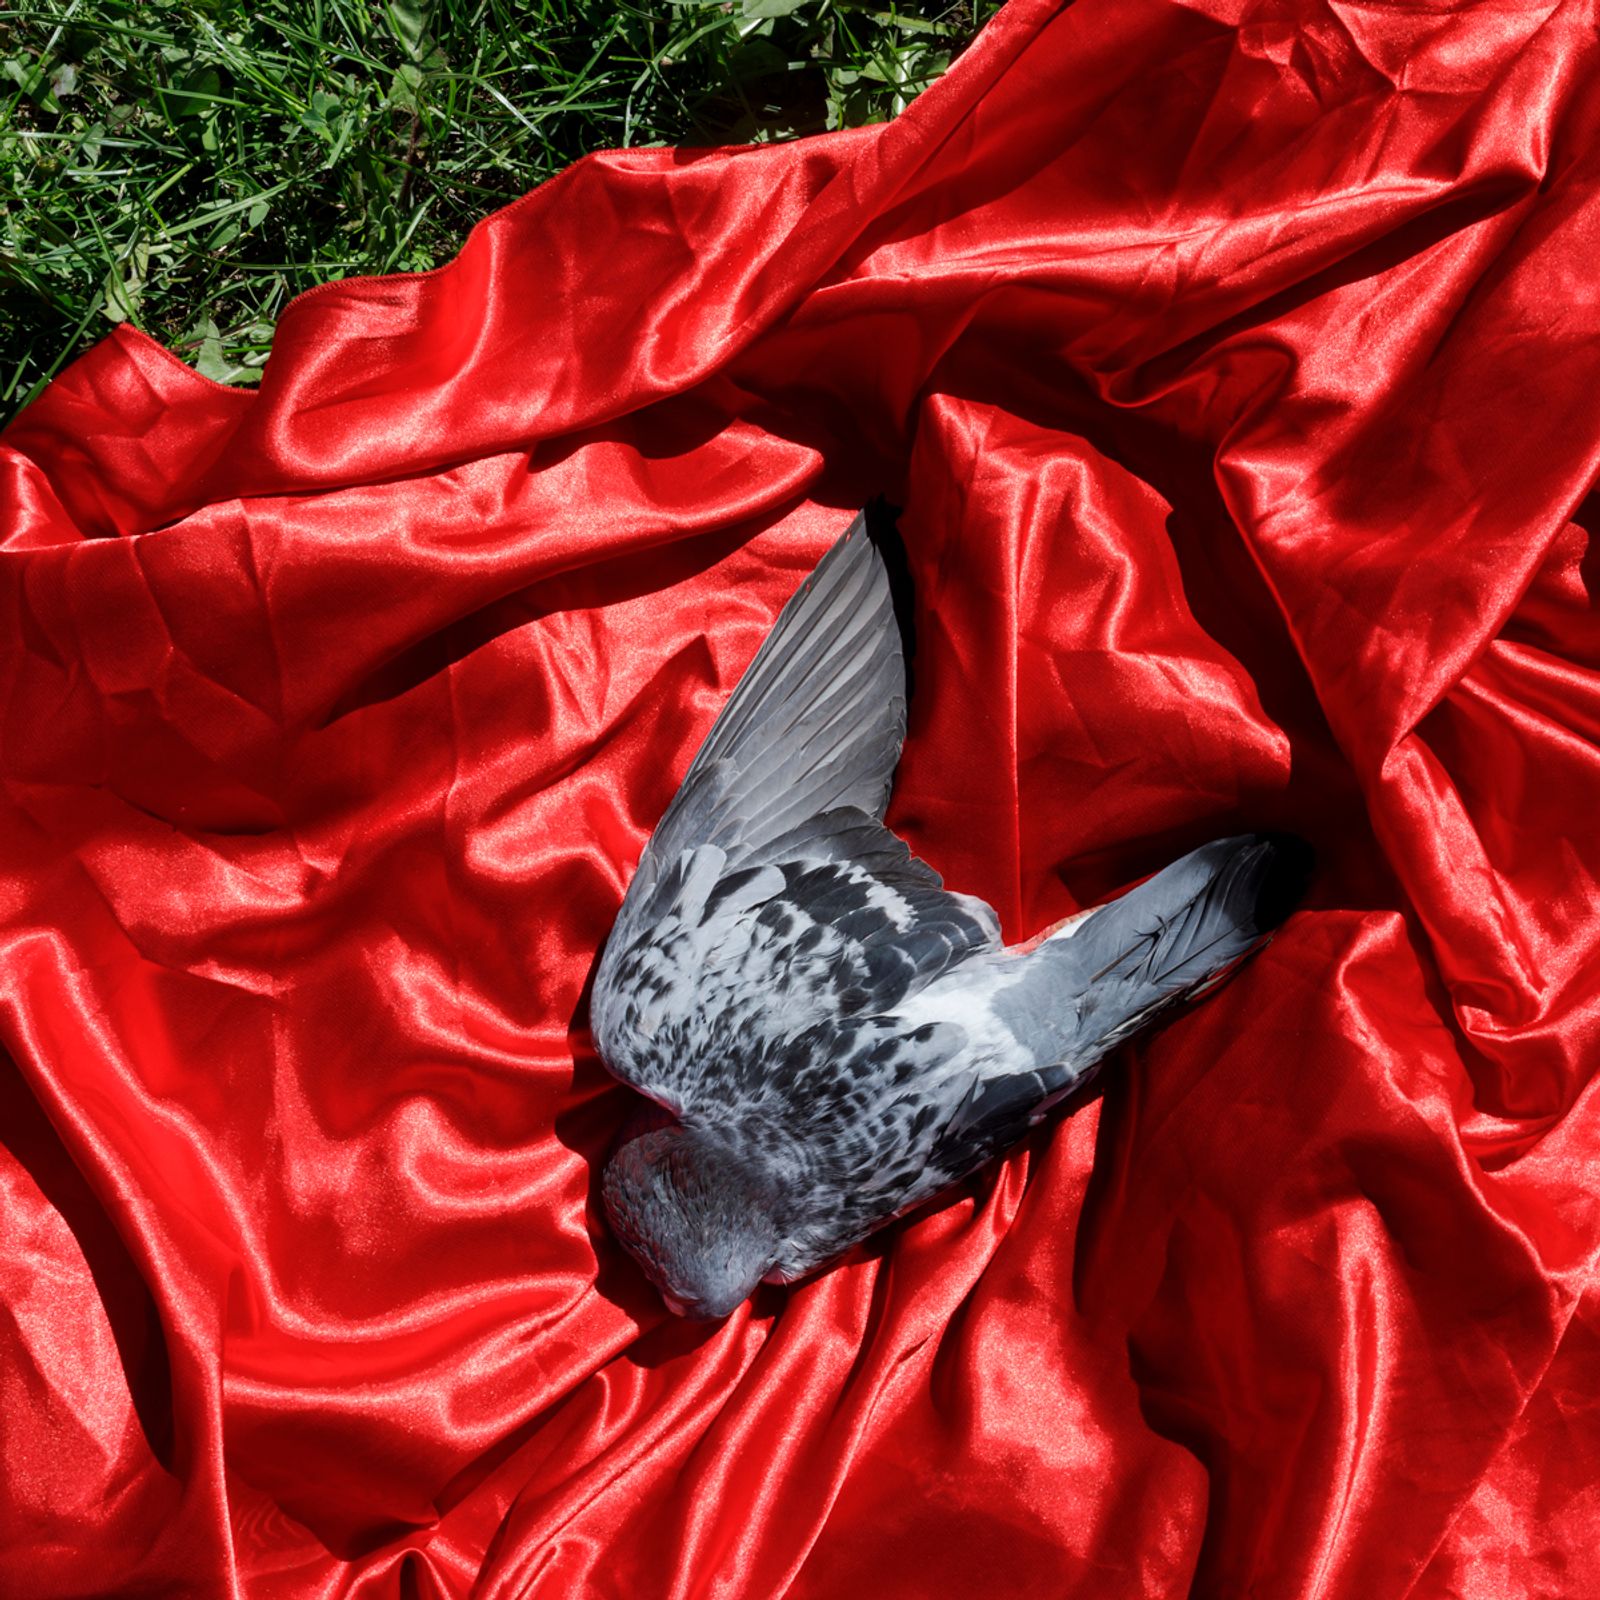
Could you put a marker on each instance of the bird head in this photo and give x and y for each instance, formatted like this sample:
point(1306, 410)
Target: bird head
point(695, 1214)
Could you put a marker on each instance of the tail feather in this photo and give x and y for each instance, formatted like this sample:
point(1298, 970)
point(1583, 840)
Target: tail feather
point(1100, 979)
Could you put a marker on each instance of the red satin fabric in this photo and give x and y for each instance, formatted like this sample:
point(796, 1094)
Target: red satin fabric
point(1236, 366)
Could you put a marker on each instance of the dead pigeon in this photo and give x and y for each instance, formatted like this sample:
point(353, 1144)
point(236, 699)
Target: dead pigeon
point(828, 1036)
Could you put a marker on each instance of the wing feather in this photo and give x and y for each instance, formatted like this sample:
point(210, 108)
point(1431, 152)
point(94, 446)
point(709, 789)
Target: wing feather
point(815, 723)
point(771, 898)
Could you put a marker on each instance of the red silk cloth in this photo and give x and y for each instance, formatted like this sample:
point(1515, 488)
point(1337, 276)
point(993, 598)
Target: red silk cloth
point(1237, 368)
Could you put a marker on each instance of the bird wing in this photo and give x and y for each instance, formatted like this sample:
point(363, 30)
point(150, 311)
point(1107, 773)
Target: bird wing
point(1063, 1005)
point(771, 897)
point(815, 724)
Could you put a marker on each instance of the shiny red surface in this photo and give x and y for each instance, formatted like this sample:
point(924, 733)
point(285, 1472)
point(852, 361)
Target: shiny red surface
point(1237, 370)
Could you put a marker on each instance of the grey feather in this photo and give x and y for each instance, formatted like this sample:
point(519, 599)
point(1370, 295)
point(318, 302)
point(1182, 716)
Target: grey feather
point(815, 724)
point(828, 1034)
point(1151, 949)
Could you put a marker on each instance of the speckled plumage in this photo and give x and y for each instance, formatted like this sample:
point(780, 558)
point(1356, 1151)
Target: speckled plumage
point(828, 1036)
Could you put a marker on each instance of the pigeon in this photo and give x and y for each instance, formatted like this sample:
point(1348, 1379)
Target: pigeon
point(825, 1036)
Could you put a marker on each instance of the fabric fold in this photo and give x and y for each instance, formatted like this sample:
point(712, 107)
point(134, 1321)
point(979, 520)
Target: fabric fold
point(1233, 365)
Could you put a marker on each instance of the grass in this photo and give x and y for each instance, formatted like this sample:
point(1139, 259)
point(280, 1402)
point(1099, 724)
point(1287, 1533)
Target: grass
point(191, 165)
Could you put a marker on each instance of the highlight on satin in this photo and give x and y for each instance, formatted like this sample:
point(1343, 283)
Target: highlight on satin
point(1234, 369)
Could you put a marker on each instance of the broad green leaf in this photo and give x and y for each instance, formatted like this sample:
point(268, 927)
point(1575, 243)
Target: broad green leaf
point(123, 287)
point(27, 75)
point(189, 98)
point(212, 361)
point(316, 115)
point(408, 22)
point(403, 87)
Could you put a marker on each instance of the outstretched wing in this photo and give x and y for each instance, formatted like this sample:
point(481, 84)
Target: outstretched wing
point(1075, 997)
point(815, 724)
point(771, 897)
point(934, 1090)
